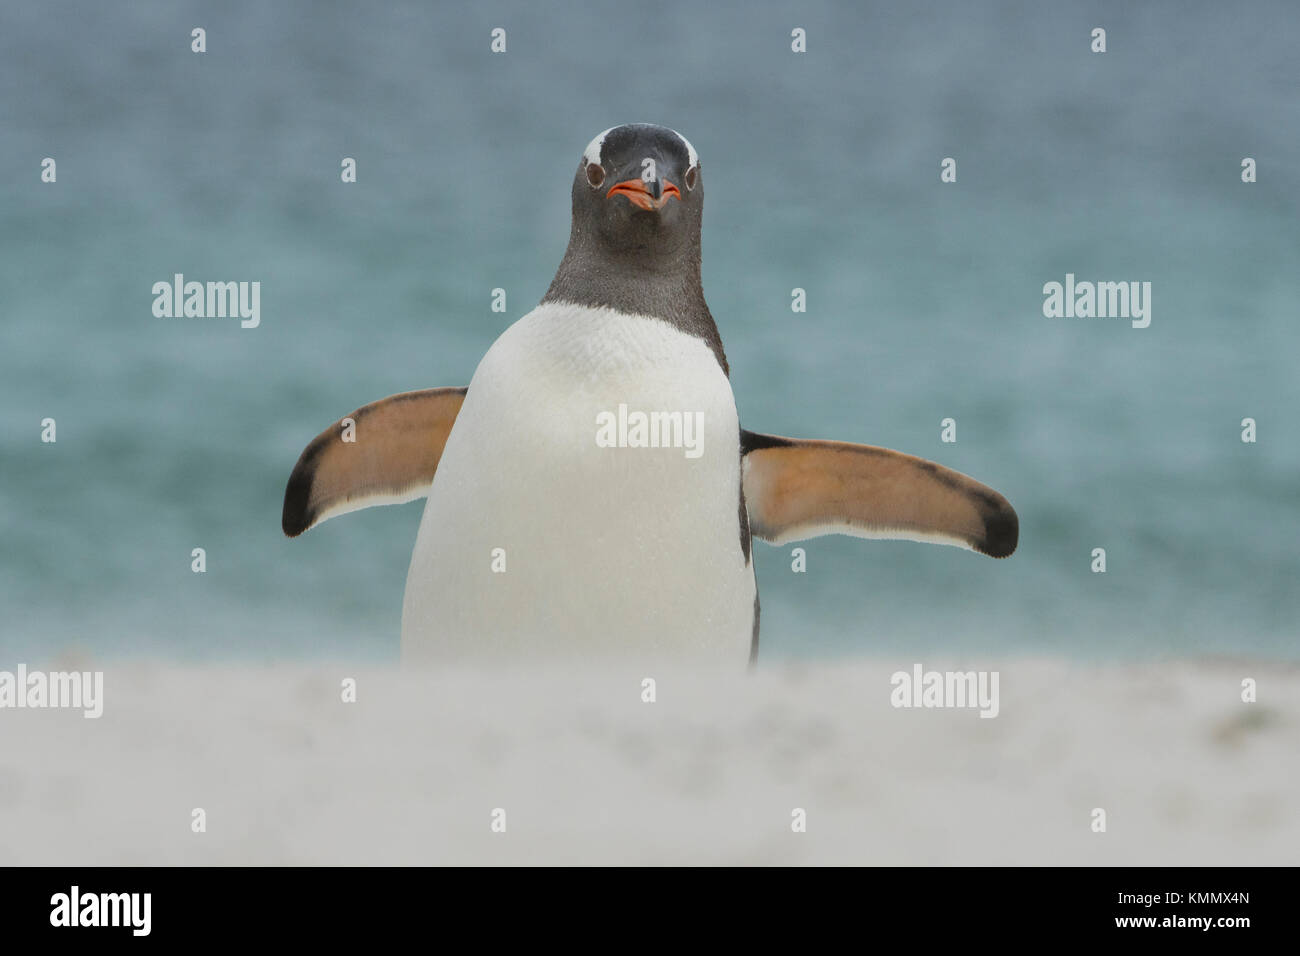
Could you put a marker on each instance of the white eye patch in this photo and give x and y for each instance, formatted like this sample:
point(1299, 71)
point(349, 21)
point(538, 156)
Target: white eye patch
point(592, 153)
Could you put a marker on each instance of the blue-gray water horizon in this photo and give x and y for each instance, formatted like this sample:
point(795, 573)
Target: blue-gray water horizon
point(924, 299)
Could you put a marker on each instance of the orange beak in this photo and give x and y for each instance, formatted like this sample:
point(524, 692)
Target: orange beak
point(639, 195)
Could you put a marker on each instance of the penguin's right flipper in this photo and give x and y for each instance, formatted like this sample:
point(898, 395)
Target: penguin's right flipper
point(391, 451)
point(797, 489)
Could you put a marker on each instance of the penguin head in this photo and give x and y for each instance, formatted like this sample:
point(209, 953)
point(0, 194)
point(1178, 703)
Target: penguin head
point(638, 191)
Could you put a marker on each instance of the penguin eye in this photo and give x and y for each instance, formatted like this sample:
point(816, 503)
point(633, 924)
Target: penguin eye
point(595, 174)
point(690, 177)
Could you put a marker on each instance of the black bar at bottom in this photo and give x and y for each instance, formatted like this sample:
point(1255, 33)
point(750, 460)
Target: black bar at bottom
point(333, 906)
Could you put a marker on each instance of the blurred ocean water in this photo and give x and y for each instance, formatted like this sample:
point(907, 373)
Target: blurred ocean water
point(821, 172)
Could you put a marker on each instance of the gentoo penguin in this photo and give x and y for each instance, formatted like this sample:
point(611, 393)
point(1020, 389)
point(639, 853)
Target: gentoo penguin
point(591, 493)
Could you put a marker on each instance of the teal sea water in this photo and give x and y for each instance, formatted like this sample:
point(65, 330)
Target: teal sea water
point(822, 172)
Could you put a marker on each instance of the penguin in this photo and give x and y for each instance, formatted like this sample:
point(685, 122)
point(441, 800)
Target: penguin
point(591, 493)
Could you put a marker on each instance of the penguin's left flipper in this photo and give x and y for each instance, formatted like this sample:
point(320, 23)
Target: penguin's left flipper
point(387, 455)
point(798, 489)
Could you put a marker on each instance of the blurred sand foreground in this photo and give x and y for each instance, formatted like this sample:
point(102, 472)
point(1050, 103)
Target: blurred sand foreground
point(708, 774)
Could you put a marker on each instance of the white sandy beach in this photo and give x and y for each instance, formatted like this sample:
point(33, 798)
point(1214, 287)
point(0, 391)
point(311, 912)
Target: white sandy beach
point(708, 774)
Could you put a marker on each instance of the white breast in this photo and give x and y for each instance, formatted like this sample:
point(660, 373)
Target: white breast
point(630, 551)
